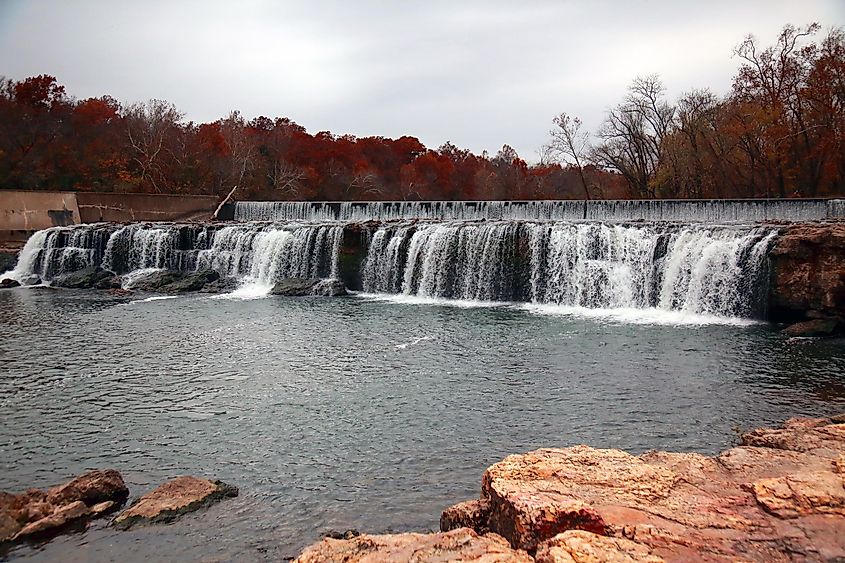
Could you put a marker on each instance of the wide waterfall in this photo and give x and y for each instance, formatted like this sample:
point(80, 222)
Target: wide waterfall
point(707, 211)
point(264, 253)
point(689, 267)
point(705, 270)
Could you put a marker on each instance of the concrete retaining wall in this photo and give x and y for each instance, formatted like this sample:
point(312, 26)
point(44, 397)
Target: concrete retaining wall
point(22, 212)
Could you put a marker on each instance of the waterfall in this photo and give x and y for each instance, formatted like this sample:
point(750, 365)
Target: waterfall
point(262, 252)
point(707, 211)
point(696, 269)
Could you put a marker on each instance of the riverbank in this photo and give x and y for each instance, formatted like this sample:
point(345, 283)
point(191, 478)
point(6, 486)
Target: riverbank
point(778, 496)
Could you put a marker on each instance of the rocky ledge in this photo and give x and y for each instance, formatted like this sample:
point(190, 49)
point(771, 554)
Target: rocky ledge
point(808, 279)
point(779, 496)
point(35, 512)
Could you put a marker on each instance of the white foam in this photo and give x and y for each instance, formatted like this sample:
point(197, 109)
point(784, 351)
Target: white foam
point(249, 289)
point(404, 299)
point(154, 298)
point(129, 280)
point(648, 316)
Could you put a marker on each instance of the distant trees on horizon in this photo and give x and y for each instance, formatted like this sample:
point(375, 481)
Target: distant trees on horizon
point(780, 132)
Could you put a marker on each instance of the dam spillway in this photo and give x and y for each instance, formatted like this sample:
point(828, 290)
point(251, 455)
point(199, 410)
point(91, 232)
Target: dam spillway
point(683, 266)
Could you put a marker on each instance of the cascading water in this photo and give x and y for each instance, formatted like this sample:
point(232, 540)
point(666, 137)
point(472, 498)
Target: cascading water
point(682, 267)
point(703, 270)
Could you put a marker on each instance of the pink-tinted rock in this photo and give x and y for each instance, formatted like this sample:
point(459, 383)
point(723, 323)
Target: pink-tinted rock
point(577, 546)
point(778, 497)
point(461, 544)
point(473, 514)
point(36, 512)
point(172, 499)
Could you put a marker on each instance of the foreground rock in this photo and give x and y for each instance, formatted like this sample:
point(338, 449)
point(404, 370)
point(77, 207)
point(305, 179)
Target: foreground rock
point(808, 273)
point(167, 281)
point(81, 279)
point(173, 499)
point(9, 283)
point(35, 512)
point(814, 328)
point(456, 545)
point(779, 496)
point(302, 287)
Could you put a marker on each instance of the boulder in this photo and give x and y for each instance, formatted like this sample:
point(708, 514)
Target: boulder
point(808, 273)
point(81, 279)
point(462, 544)
point(8, 260)
point(778, 496)
point(8, 283)
point(173, 499)
point(815, 327)
point(302, 287)
point(111, 282)
point(222, 285)
point(35, 512)
point(167, 281)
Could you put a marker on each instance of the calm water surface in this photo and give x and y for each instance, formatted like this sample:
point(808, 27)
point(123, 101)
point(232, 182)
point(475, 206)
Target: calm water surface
point(356, 413)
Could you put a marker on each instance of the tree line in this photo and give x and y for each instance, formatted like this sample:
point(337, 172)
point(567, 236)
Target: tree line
point(780, 132)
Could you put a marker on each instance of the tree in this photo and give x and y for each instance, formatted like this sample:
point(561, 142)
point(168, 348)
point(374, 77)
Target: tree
point(570, 144)
point(151, 128)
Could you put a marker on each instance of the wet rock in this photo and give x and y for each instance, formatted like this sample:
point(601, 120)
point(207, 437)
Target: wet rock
point(222, 285)
point(111, 282)
point(329, 288)
point(815, 327)
point(347, 535)
point(120, 292)
point(9, 283)
point(8, 260)
point(576, 546)
point(302, 287)
point(776, 497)
point(808, 273)
point(173, 499)
point(193, 281)
point(462, 544)
point(154, 281)
point(36, 512)
point(81, 279)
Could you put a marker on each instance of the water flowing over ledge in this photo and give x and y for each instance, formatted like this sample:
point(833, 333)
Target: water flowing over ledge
point(708, 211)
point(694, 269)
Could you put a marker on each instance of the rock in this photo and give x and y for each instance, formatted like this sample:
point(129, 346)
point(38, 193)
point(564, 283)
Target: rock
point(173, 499)
point(166, 281)
point(808, 272)
point(36, 512)
point(778, 496)
point(462, 544)
point(8, 260)
point(815, 327)
point(120, 292)
point(330, 288)
point(301, 287)
point(111, 282)
point(222, 285)
point(193, 281)
point(347, 535)
point(576, 546)
point(8, 283)
point(81, 279)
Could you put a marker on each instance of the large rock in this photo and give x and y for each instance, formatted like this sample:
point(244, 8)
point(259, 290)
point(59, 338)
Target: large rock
point(462, 544)
point(815, 327)
point(81, 279)
point(777, 497)
point(173, 499)
point(8, 260)
point(167, 281)
point(36, 512)
point(9, 283)
point(302, 287)
point(808, 273)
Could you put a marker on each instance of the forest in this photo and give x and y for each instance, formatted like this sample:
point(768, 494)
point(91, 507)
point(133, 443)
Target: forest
point(778, 132)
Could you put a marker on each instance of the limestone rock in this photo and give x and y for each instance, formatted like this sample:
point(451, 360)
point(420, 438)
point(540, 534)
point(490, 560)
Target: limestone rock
point(302, 287)
point(577, 546)
point(173, 499)
point(808, 273)
point(461, 544)
point(81, 279)
point(779, 496)
point(8, 283)
point(36, 512)
point(815, 327)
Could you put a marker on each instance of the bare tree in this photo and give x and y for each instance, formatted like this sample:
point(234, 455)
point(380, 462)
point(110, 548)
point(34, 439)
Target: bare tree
point(149, 126)
point(570, 144)
point(633, 134)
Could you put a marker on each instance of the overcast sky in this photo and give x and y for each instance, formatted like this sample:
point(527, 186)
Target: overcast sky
point(477, 73)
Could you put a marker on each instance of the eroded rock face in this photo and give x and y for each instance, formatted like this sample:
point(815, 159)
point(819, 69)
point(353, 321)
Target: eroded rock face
point(81, 279)
point(778, 496)
point(808, 273)
point(173, 499)
point(461, 544)
point(36, 512)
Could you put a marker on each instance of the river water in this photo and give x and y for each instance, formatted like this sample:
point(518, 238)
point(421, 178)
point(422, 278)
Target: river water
point(371, 412)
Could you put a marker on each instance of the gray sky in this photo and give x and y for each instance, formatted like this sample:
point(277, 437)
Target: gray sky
point(477, 73)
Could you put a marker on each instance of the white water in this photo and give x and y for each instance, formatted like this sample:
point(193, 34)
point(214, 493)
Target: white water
point(710, 211)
